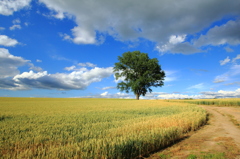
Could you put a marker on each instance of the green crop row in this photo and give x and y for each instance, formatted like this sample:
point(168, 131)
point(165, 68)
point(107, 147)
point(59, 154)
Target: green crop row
point(216, 102)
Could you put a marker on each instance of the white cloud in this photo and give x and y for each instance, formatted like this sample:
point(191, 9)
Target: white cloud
point(87, 64)
point(130, 20)
point(202, 95)
point(15, 27)
point(228, 49)
point(70, 68)
point(233, 72)
point(236, 58)
point(163, 95)
point(16, 21)
point(16, 24)
point(106, 88)
point(59, 15)
point(35, 68)
point(176, 44)
point(220, 79)
point(174, 39)
point(170, 76)
point(2, 28)
point(9, 63)
point(77, 80)
point(29, 75)
point(61, 58)
point(6, 41)
point(104, 94)
point(173, 96)
point(225, 61)
point(38, 60)
point(197, 86)
point(26, 24)
point(82, 36)
point(223, 94)
point(7, 7)
point(109, 95)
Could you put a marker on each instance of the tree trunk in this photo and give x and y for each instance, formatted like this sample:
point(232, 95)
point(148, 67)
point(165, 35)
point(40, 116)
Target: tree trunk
point(137, 96)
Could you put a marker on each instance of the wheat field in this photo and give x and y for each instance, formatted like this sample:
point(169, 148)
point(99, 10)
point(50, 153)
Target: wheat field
point(215, 102)
point(92, 128)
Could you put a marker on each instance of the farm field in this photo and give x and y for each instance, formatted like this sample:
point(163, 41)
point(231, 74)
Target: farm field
point(216, 102)
point(92, 128)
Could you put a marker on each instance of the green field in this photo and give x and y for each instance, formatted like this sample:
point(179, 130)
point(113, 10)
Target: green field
point(92, 128)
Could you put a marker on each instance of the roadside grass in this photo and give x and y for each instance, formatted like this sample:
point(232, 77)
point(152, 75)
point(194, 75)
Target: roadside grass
point(234, 121)
point(205, 155)
point(191, 150)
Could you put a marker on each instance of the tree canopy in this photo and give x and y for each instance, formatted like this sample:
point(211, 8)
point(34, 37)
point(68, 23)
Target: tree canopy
point(139, 73)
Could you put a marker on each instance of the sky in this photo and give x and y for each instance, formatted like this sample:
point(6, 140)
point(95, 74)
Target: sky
point(67, 49)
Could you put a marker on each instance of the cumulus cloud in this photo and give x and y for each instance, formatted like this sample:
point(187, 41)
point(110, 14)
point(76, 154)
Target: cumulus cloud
point(82, 36)
point(176, 44)
point(223, 94)
point(9, 63)
point(76, 80)
point(6, 41)
point(130, 21)
point(225, 61)
point(202, 95)
point(7, 7)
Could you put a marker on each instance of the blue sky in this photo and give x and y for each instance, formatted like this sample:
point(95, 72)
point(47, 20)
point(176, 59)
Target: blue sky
point(57, 48)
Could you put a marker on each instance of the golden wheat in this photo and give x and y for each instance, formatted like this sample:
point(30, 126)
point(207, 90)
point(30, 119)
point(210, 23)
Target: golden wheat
point(92, 128)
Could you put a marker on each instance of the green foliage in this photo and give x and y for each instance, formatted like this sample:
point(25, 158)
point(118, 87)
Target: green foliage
point(207, 156)
point(163, 156)
point(191, 156)
point(140, 73)
point(91, 128)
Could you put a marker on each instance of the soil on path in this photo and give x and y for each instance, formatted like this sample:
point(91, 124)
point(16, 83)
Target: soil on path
point(220, 138)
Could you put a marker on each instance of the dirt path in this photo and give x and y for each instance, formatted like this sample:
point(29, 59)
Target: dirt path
point(219, 139)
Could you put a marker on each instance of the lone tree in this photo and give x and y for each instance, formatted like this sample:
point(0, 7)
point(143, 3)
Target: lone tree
point(139, 73)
